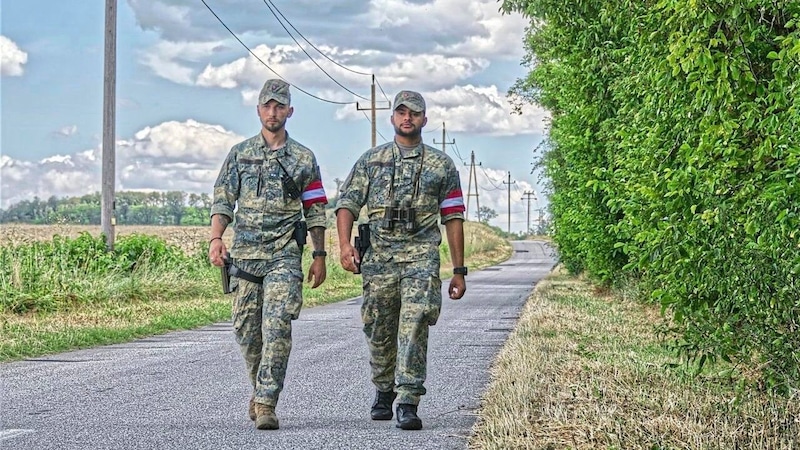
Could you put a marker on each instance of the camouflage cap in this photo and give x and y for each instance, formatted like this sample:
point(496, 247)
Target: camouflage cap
point(413, 100)
point(277, 90)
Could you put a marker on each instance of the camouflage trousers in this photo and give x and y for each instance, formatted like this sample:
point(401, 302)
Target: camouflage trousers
point(401, 300)
point(262, 322)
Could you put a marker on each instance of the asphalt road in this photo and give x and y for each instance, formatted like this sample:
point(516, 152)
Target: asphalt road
point(188, 390)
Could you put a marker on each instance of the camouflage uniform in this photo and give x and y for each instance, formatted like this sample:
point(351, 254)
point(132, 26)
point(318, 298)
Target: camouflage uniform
point(402, 287)
point(263, 245)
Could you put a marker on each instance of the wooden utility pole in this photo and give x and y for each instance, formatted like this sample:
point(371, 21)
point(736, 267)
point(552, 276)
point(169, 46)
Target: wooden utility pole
point(473, 176)
point(528, 195)
point(372, 108)
point(444, 149)
point(509, 183)
point(338, 182)
point(107, 220)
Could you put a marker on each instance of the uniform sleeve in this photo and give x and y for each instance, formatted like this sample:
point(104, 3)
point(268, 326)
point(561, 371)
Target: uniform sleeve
point(354, 190)
point(314, 198)
point(451, 199)
point(226, 188)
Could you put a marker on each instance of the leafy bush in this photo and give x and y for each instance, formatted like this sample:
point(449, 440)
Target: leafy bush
point(674, 154)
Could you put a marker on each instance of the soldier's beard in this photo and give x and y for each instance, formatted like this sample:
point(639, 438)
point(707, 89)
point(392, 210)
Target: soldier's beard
point(275, 126)
point(415, 133)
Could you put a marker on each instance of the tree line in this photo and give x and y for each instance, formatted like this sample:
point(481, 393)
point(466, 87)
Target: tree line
point(673, 159)
point(131, 208)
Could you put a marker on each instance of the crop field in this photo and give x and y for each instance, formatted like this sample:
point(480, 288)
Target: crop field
point(188, 238)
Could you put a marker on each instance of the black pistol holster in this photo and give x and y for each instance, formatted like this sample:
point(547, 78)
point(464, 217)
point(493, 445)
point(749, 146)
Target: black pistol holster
point(362, 243)
point(226, 273)
point(229, 270)
point(300, 232)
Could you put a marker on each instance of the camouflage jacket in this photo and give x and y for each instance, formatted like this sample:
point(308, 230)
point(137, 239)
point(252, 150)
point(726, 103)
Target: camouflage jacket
point(250, 190)
point(382, 172)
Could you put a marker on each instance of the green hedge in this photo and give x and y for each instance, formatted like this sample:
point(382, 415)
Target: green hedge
point(673, 158)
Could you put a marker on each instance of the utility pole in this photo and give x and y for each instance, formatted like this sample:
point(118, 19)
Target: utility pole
point(107, 220)
point(444, 150)
point(472, 176)
point(338, 182)
point(540, 220)
point(527, 195)
point(509, 200)
point(372, 108)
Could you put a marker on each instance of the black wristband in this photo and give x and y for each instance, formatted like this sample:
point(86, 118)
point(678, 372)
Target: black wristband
point(214, 239)
point(316, 253)
point(460, 270)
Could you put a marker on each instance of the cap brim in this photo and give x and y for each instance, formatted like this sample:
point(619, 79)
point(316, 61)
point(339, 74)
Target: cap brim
point(410, 106)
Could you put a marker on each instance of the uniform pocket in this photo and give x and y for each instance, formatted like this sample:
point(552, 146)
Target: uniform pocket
point(434, 304)
point(369, 310)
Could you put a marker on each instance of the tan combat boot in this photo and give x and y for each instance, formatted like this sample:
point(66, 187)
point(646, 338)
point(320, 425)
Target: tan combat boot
point(265, 417)
point(251, 409)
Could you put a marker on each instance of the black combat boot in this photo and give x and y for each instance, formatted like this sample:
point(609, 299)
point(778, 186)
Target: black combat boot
point(407, 417)
point(382, 408)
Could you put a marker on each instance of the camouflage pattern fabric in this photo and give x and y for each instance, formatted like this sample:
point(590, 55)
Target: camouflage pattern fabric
point(402, 287)
point(401, 300)
point(252, 183)
point(412, 100)
point(262, 322)
point(368, 184)
point(277, 90)
point(251, 178)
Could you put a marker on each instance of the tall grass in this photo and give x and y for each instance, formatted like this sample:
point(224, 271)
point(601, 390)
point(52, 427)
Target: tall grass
point(69, 292)
point(65, 273)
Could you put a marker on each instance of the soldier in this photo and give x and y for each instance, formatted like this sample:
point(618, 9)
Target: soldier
point(408, 188)
point(271, 182)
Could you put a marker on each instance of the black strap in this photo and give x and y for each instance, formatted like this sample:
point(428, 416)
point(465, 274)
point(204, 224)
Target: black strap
point(239, 273)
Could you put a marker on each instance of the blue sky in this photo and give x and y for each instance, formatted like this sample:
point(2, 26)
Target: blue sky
point(186, 90)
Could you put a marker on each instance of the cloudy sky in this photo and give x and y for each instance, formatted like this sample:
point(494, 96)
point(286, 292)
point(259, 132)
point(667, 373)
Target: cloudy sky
point(187, 88)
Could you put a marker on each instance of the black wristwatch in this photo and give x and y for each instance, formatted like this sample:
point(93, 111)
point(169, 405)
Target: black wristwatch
point(460, 270)
point(316, 253)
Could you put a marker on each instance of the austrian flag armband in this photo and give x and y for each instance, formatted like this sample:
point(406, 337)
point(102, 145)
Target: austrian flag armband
point(314, 193)
point(453, 203)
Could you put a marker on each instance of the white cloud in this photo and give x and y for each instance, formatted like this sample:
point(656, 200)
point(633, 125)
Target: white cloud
point(475, 110)
point(12, 59)
point(170, 156)
point(430, 45)
point(197, 144)
point(174, 61)
point(66, 131)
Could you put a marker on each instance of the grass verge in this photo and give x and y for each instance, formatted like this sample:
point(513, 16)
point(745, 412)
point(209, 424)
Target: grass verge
point(584, 370)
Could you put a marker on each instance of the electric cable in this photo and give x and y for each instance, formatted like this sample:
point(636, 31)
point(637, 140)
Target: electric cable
point(313, 46)
point(267, 65)
point(266, 2)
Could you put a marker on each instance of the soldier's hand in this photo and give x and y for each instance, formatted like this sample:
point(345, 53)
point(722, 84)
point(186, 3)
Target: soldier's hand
point(348, 257)
point(317, 272)
point(458, 286)
point(216, 249)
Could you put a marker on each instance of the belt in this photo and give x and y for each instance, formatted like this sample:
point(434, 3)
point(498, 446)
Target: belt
point(239, 273)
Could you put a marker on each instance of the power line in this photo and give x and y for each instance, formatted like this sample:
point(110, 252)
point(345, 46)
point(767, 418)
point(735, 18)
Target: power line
point(493, 182)
point(267, 65)
point(381, 88)
point(370, 121)
point(301, 47)
point(455, 148)
point(495, 188)
point(312, 45)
